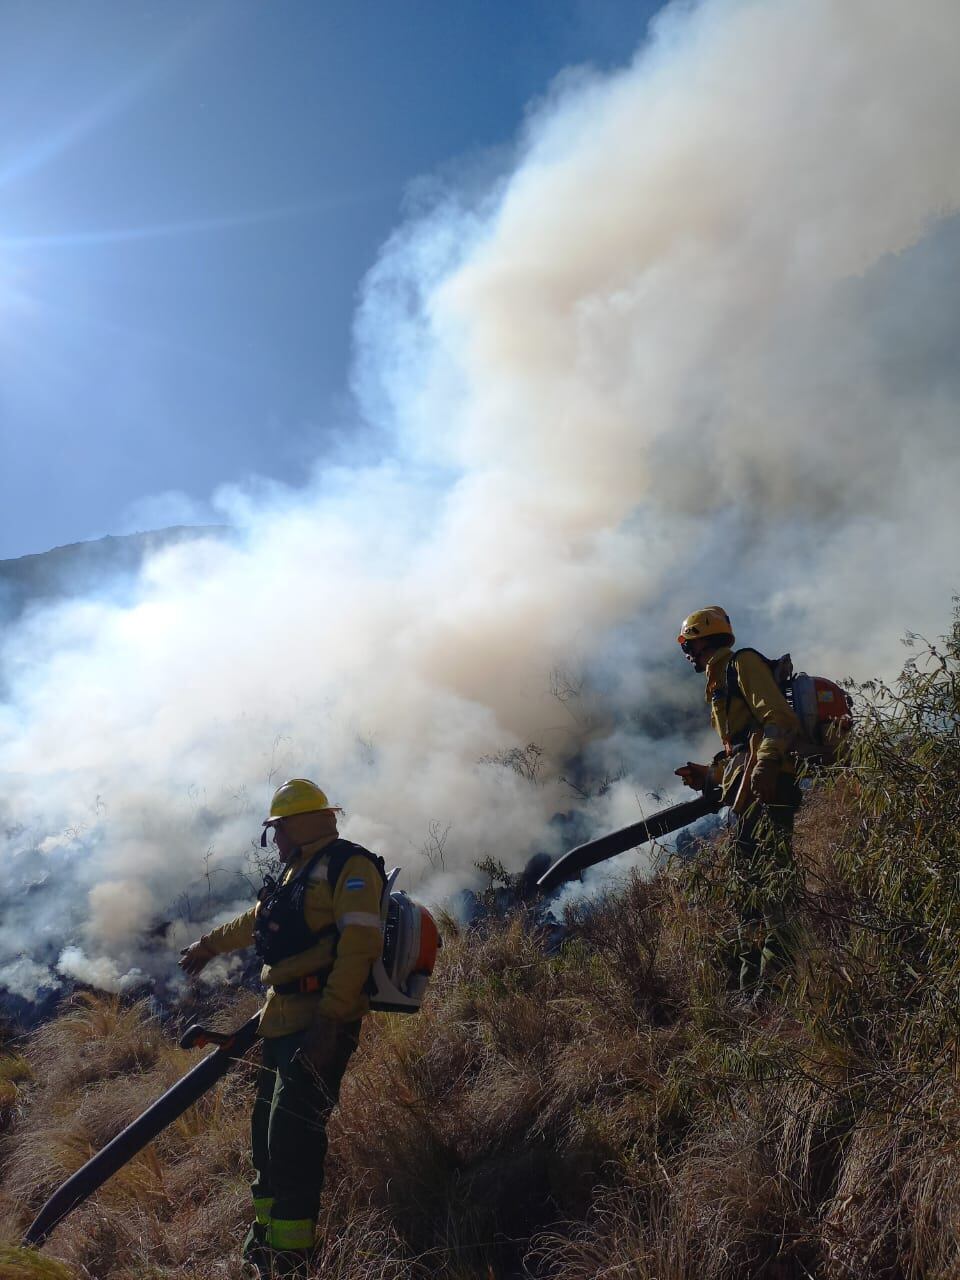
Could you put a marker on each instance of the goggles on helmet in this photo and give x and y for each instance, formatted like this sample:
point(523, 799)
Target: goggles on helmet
point(269, 829)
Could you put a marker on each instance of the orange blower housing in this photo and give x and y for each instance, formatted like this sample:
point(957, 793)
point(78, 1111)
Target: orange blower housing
point(825, 714)
point(411, 942)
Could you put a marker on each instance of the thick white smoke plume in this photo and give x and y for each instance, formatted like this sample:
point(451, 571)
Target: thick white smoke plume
point(696, 346)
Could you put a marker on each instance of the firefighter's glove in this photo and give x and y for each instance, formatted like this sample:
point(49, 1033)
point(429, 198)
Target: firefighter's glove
point(763, 781)
point(195, 958)
point(319, 1043)
point(695, 776)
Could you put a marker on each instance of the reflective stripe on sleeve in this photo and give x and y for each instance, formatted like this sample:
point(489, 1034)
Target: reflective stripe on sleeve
point(364, 919)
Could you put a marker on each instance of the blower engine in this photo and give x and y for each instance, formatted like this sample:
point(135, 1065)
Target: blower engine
point(411, 941)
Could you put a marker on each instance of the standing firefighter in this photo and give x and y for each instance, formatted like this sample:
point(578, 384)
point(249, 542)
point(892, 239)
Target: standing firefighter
point(318, 934)
point(755, 771)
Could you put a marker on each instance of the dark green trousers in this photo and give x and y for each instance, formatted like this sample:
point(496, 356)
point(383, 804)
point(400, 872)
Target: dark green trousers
point(289, 1125)
point(766, 885)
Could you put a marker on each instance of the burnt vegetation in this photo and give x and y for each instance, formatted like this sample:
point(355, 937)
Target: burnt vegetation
point(608, 1109)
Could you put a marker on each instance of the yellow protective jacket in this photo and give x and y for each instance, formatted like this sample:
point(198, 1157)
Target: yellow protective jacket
point(353, 905)
point(760, 705)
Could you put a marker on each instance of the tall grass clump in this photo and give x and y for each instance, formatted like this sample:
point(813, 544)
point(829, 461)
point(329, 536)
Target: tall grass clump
point(899, 858)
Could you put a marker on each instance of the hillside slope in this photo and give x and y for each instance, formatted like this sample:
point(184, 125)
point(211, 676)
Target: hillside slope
point(86, 568)
point(610, 1110)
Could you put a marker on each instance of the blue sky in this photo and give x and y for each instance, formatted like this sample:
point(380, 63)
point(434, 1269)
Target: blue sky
point(190, 195)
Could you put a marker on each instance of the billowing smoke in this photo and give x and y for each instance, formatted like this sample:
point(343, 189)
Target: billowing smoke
point(697, 345)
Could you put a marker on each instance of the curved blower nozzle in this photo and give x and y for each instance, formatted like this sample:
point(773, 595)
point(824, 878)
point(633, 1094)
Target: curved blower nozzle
point(573, 863)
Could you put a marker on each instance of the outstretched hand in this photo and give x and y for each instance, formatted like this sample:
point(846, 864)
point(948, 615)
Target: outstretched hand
point(694, 776)
point(195, 958)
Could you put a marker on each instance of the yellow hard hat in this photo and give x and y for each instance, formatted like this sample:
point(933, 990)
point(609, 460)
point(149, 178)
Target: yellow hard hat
point(297, 795)
point(711, 621)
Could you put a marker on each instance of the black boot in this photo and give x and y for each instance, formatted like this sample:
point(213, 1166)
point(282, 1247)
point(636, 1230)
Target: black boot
point(255, 1251)
point(291, 1264)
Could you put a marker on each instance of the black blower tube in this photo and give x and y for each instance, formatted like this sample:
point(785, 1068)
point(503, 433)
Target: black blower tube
point(576, 861)
point(135, 1137)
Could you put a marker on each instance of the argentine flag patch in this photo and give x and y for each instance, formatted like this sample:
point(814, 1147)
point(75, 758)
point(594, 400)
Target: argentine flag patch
point(356, 883)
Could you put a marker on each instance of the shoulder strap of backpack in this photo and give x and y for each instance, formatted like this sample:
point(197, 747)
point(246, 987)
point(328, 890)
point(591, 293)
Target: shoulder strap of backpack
point(781, 670)
point(733, 676)
point(341, 851)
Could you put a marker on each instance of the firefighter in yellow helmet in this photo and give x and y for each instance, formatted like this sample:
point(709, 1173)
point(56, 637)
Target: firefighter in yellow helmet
point(317, 932)
point(757, 728)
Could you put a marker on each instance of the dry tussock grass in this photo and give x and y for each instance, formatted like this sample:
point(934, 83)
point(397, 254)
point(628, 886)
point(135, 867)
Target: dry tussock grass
point(607, 1111)
point(26, 1264)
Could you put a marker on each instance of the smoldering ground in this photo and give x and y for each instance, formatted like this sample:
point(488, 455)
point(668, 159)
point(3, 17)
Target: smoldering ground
point(695, 344)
